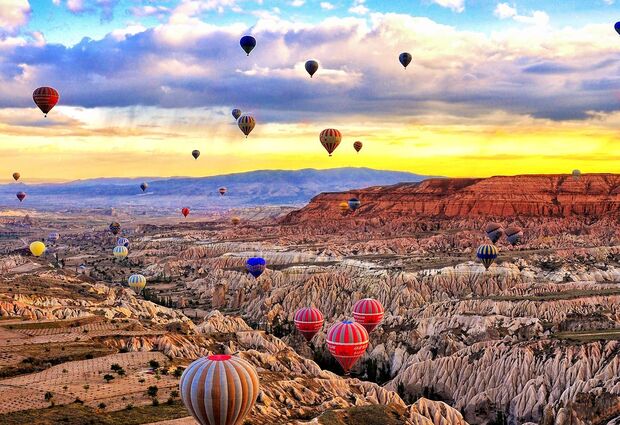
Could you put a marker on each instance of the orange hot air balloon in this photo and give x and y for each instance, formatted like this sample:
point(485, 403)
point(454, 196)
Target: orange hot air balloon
point(45, 98)
point(347, 341)
point(185, 211)
point(344, 207)
point(358, 146)
point(330, 139)
point(368, 312)
point(16, 176)
point(219, 389)
point(308, 321)
point(235, 220)
point(222, 190)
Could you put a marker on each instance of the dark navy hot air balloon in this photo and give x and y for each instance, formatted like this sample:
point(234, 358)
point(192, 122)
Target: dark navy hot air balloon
point(405, 59)
point(195, 153)
point(487, 255)
point(247, 43)
point(255, 266)
point(354, 204)
point(144, 186)
point(236, 113)
point(115, 228)
point(312, 67)
point(617, 27)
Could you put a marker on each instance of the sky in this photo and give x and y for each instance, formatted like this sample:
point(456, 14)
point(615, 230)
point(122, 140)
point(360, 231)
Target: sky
point(495, 88)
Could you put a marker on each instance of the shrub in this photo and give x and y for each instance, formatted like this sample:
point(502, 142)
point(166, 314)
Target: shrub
point(108, 377)
point(152, 391)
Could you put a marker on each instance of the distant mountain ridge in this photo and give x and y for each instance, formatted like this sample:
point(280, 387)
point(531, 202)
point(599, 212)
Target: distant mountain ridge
point(262, 187)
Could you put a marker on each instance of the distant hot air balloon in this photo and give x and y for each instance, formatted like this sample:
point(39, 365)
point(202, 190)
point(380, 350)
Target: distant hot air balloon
point(21, 196)
point(222, 191)
point(219, 389)
point(246, 123)
point(37, 248)
point(137, 282)
point(144, 186)
point(122, 242)
point(487, 254)
point(236, 113)
point(494, 231)
point(115, 228)
point(45, 98)
point(347, 341)
point(514, 234)
point(247, 43)
point(405, 59)
point(308, 321)
point(368, 312)
point(16, 176)
point(120, 251)
point(330, 139)
point(185, 212)
point(195, 153)
point(235, 220)
point(53, 237)
point(255, 266)
point(576, 175)
point(354, 204)
point(344, 207)
point(311, 66)
point(358, 146)
point(617, 27)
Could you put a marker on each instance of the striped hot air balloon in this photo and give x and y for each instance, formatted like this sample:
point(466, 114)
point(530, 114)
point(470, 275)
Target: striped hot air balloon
point(115, 227)
point(122, 242)
point(308, 321)
point(494, 231)
point(487, 254)
point(358, 146)
point(354, 204)
point(53, 237)
point(368, 312)
point(21, 196)
point(137, 282)
point(256, 266)
point(120, 251)
point(347, 341)
point(330, 139)
point(514, 234)
point(246, 124)
point(219, 389)
point(45, 98)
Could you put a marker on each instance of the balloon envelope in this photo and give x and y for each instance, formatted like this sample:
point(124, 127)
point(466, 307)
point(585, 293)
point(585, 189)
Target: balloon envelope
point(37, 248)
point(115, 228)
point(246, 124)
point(487, 254)
point(617, 27)
point(311, 67)
point(144, 186)
point(21, 196)
point(120, 251)
point(514, 235)
point(45, 98)
point(137, 282)
point(247, 43)
point(122, 242)
point(368, 312)
point(347, 341)
point(405, 59)
point(358, 146)
point(256, 266)
point(195, 153)
point(235, 220)
point(308, 321)
point(576, 174)
point(185, 211)
point(494, 231)
point(330, 139)
point(222, 190)
point(53, 237)
point(354, 204)
point(236, 113)
point(16, 176)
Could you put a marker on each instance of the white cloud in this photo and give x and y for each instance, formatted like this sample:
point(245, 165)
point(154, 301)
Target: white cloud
point(75, 6)
point(506, 11)
point(325, 5)
point(358, 7)
point(455, 5)
point(13, 14)
point(298, 3)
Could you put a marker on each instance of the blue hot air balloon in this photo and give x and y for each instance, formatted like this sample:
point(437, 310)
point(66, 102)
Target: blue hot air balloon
point(247, 43)
point(255, 266)
point(617, 27)
point(487, 254)
point(354, 204)
point(122, 242)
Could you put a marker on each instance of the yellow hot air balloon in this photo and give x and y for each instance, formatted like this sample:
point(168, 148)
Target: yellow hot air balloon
point(137, 282)
point(37, 248)
point(120, 251)
point(344, 207)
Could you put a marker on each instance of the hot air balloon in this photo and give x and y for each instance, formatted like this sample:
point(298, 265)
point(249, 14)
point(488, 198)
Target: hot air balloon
point(115, 228)
point(358, 146)
point(514, 234)
point(195, 153)
point(21, 196)
point(137, 282)
point(185, 212)
point(255, 266)
point(494, 231)
point(247, 43)
point(45, 98)
point(344, 207)
point(617, 27)
point(308, 321)
point(222, 191)
point(368, 312)
point(354, 204)
point(405, 59)
point(16, 176)
point(235, 220)
point(330, 139)
point(120, 251)
point(576, 175)
point(311, 66)
point(122, 242)
point(347, 341)
point(37, 248)
point(236, 113)
point(53, 237)
point(487, 255)
point(144, 186)
point(246, 123)
point(219, 389)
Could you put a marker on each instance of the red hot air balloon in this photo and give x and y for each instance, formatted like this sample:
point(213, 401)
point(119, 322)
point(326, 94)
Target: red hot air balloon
point(330, 139)
point(368, 312)
point(347, 341)
point(45, 98)
point(219, 389)
point(185, 211)
point(308, 321)
point(21, 196)
point(358, 146)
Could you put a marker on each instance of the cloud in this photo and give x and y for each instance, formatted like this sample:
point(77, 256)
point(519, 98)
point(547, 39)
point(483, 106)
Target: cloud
point(149, 10)
point(505, 11)
point(325, 5)
point(455, 5)
point(13, 15)
point(298, 3)
point(358, 7)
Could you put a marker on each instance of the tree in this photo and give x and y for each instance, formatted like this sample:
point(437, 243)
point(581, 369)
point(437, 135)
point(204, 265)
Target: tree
point(152, 391)
point(115, 367)
point(178, 372)
point(108, 377)
point(154, 364)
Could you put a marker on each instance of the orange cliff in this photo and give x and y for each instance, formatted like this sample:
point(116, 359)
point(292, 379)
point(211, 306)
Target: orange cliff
point(549, 195)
